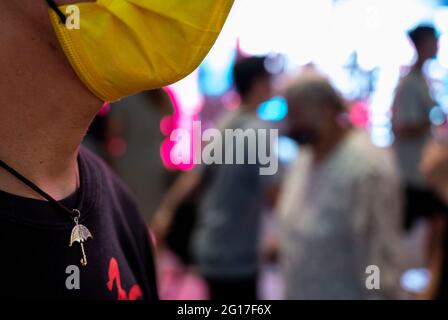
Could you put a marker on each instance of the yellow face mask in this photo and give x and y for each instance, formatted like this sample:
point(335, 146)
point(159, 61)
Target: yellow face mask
point(124, 47)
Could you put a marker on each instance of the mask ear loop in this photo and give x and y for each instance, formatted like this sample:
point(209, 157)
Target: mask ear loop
point(58, 11)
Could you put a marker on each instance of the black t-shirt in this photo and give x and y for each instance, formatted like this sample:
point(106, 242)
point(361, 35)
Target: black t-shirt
point(35, 237)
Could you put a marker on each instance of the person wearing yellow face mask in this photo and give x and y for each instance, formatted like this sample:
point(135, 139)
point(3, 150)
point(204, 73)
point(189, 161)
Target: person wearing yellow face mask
point(70, 229)
point(124, 47)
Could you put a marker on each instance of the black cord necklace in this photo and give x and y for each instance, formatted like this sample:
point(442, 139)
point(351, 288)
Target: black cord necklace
point(79, 232)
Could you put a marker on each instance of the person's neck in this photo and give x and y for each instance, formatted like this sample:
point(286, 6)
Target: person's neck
point(45, 109)
point(323, 148)
point(41, 142)
point(418, 65)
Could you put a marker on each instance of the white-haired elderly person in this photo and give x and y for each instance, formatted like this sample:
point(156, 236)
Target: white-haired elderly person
point(340, 206)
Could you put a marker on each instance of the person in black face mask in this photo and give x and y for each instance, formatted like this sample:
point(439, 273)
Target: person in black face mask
point(340, 204)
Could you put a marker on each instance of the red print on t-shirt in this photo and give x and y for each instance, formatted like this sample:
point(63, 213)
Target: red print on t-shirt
point(114, 276)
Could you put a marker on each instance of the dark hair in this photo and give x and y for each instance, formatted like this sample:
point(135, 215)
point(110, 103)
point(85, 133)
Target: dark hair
point(420, 33)
point(246, 71)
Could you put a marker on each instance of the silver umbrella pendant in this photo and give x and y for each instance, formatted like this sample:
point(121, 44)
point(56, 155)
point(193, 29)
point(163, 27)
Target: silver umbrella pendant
point(80, 234)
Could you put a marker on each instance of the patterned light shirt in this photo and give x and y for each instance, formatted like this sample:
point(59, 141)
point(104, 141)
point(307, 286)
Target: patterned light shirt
point(338, 218)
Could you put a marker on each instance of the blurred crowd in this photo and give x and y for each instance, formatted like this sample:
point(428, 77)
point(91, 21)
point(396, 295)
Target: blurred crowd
point(345, 220)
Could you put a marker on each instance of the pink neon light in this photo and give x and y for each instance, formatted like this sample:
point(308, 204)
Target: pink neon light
point(359, 114)
point(180, 119)
point(166, 125)
point(104, 110)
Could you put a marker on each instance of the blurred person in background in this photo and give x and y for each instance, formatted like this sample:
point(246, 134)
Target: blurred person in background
point(225, 242)
point(340, 205)
point(412, 129)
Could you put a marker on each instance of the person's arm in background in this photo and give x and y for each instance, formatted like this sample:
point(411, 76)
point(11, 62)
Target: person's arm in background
point(435, 256)
point(271, 195)
point(182, 188)
point(271, 185)
point(271, 246)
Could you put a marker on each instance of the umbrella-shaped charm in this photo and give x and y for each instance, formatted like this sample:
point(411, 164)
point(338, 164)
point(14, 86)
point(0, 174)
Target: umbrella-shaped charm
point(80, 234)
